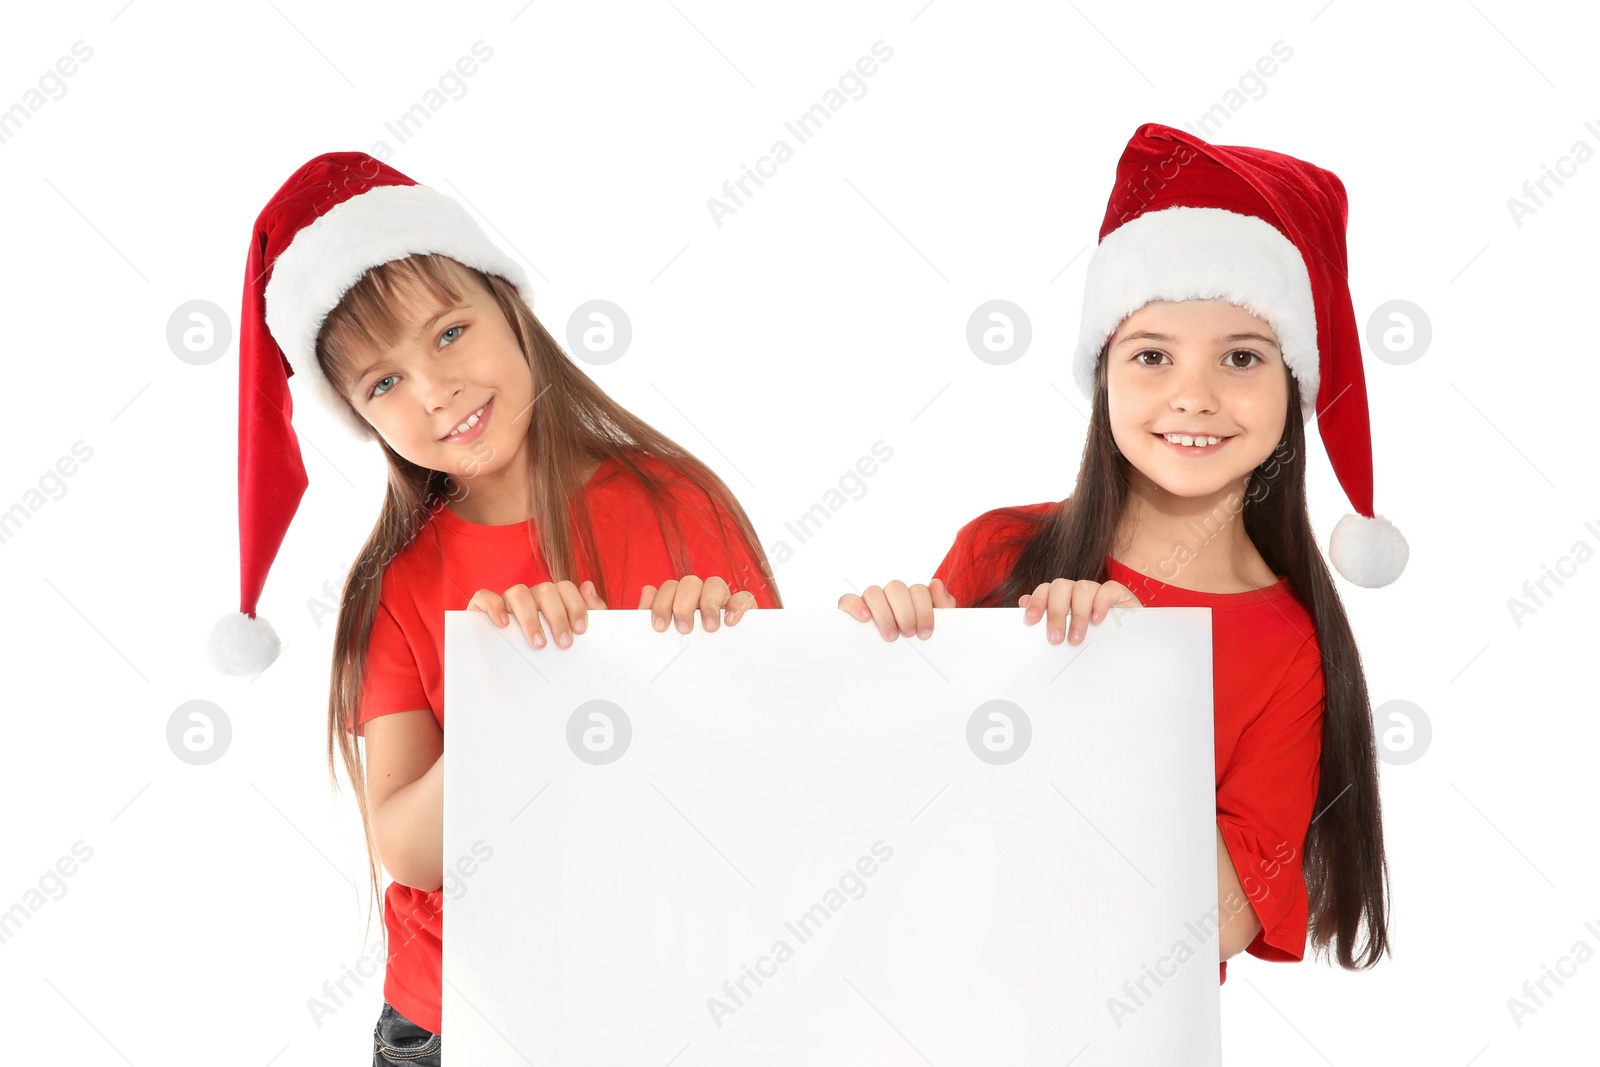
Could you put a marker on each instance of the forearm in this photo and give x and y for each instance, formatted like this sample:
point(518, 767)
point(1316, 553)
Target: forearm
point(1236, 918)
point(410, 830)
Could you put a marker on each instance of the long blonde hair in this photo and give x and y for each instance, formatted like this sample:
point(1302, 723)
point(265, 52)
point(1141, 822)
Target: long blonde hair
point(592, 427)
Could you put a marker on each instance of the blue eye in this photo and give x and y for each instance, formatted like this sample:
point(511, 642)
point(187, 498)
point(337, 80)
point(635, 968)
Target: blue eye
point(377, 393)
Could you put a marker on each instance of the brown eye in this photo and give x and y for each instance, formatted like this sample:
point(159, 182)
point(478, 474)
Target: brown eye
point(1244, 352)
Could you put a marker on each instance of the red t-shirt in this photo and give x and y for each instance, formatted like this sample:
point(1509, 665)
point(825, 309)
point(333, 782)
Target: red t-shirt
point(1267, 697)
point(451, 559)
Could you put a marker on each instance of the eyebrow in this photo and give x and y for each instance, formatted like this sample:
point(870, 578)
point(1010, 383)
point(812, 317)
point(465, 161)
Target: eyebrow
point(1232, 338)
point(441, 314)
point(421, 332)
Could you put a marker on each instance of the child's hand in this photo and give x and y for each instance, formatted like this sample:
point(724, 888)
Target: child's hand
point(899, 609)
point(1086, 601)
point(563, 605)
point(679, 597)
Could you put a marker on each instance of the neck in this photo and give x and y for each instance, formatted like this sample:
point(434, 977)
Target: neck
point(1194, 542)
point(494, 498)
point(505, 496)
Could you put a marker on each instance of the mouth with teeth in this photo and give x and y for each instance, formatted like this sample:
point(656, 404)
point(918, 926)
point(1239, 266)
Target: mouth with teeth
point(1193, 444)
point(471, 427)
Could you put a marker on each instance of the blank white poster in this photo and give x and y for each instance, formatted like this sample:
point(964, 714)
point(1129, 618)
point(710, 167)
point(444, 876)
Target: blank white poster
point(791, 843)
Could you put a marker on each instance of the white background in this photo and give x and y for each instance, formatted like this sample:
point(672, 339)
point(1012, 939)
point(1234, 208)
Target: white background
point(827, 314)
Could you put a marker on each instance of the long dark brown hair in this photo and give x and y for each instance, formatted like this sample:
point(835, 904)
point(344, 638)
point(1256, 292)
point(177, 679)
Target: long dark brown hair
point(586, 426)
point(1343, 860)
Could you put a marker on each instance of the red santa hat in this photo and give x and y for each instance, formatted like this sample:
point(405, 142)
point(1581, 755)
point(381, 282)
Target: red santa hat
point(337, 217)
point(1191, 220)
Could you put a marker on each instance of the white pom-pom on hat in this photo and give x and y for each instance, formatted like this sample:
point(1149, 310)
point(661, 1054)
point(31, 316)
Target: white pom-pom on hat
point(241, 645)
point(1369, 552)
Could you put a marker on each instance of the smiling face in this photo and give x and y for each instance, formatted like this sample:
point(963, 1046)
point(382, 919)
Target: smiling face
point(1195, 367)
point(450, 361)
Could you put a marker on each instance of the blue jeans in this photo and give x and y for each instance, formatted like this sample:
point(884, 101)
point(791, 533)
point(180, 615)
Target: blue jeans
point(399, 1042)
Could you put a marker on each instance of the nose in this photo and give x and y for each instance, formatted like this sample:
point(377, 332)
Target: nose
point(1194, 390)
point(438, 387)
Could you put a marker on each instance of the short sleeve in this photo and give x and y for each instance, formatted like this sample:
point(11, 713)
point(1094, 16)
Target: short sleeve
point(957, 570)
point(985, 551)
point(715, 547)
point(392, 682)
point(1264, 805)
